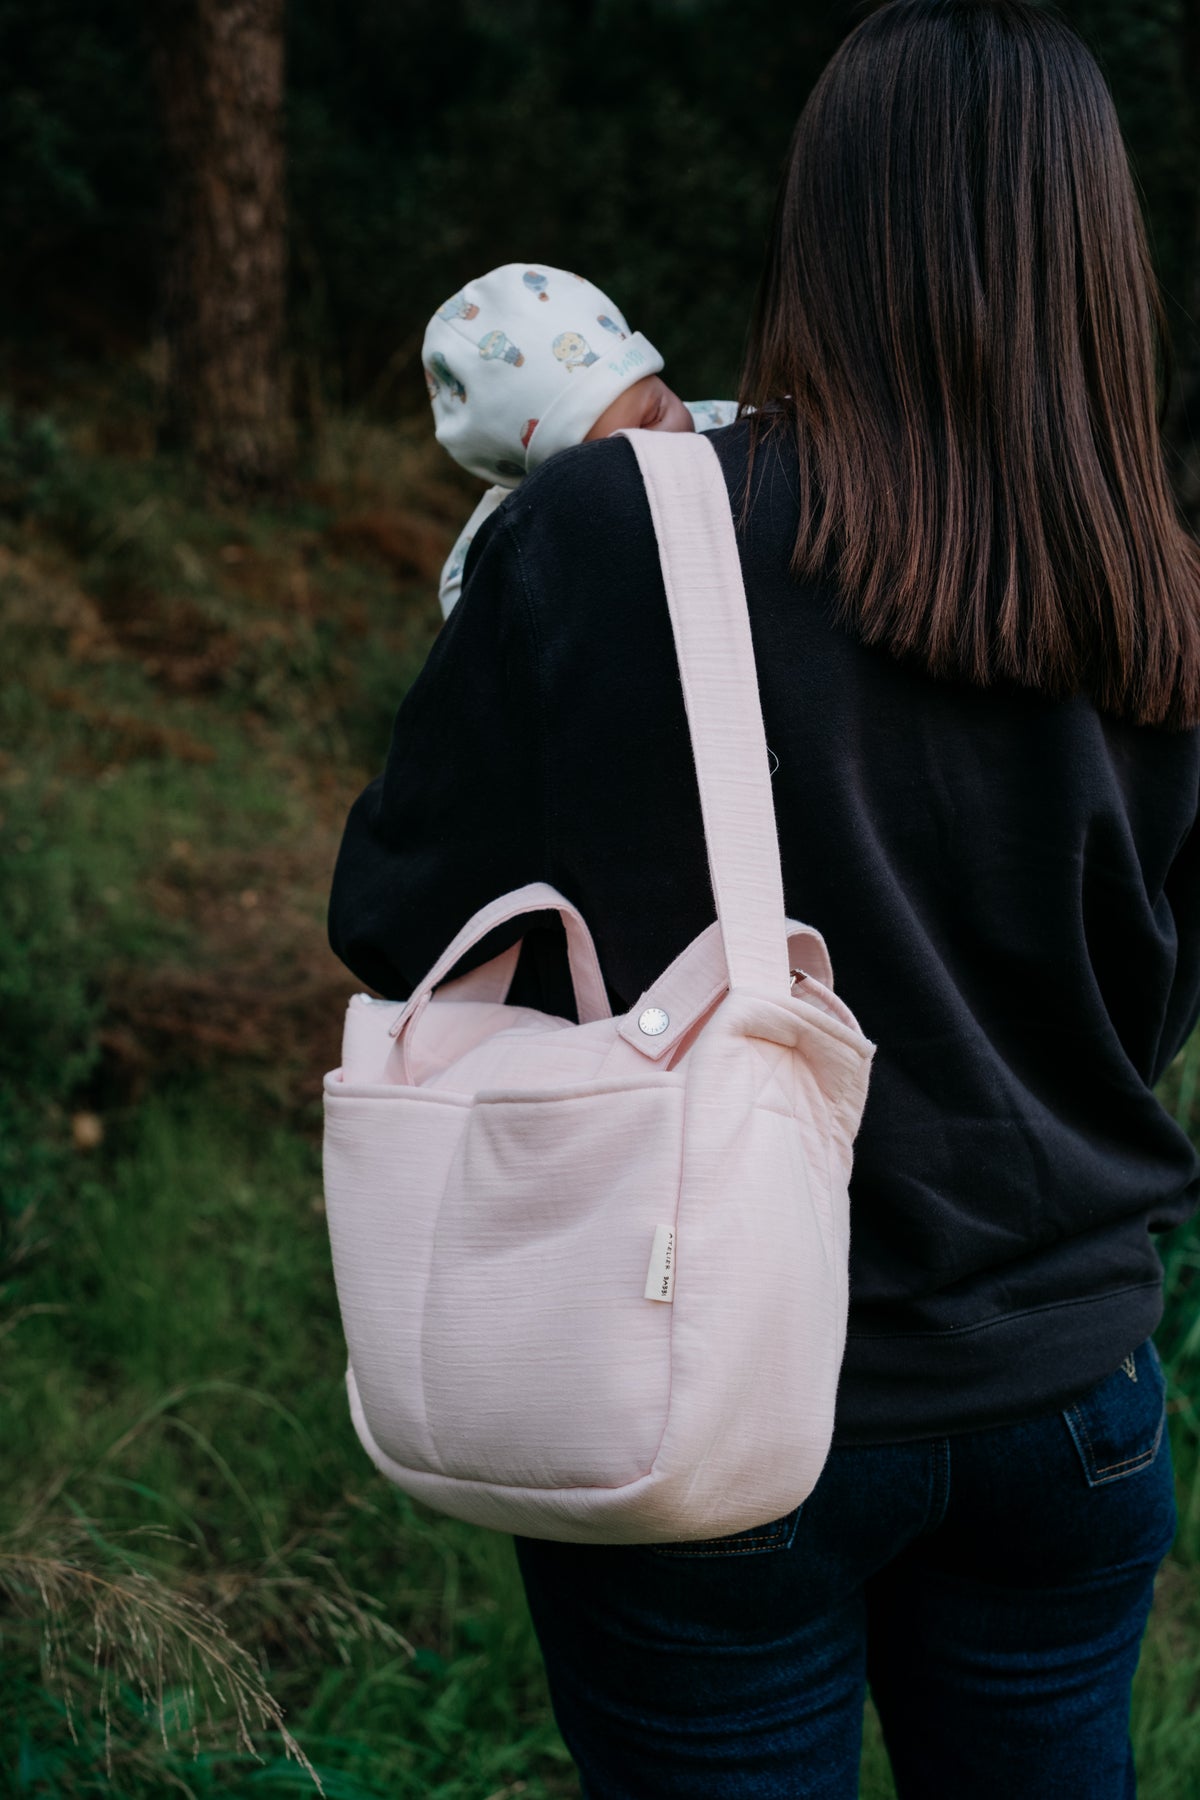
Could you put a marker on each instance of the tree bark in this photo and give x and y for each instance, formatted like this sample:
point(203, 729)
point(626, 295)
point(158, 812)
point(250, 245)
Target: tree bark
point(219, 74)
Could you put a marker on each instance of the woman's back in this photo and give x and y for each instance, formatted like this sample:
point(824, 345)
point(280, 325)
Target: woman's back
point(1008, 885)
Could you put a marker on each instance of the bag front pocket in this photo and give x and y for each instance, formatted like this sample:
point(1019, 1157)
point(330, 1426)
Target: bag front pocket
point(1117, 1426)
point(544, 1365)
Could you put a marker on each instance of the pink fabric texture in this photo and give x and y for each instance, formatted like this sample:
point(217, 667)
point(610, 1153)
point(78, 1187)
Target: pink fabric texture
point(495, 1178)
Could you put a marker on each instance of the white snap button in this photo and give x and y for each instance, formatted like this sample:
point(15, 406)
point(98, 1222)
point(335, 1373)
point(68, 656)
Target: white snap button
point(654, 1021)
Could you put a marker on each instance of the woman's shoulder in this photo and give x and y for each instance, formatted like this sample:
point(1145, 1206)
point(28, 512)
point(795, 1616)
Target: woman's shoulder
point(583, 537)
point(588, 486)
point(601, 481)
point(590, 501)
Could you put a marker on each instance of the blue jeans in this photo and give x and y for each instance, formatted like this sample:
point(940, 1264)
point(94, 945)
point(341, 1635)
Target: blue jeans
point(992, 1587)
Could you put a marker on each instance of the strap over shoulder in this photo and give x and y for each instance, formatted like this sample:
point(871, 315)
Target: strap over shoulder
point(702, 575)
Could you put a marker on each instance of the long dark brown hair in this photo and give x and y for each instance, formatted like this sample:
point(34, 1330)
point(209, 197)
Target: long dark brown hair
point(960, 321)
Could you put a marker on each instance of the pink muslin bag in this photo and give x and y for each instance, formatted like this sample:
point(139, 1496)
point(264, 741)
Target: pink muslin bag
point(593, 1276)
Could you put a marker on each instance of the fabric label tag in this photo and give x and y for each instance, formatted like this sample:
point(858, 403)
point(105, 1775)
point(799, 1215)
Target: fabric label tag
point(660, 1276)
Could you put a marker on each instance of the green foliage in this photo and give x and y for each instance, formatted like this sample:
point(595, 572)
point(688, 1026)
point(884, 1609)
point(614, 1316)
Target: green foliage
point(33, 452)
point(79, 192)
point(83, 502)
point(637, 143)
point(44, 1049)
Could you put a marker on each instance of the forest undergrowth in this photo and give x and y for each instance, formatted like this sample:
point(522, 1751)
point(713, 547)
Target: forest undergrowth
point(204, 1587)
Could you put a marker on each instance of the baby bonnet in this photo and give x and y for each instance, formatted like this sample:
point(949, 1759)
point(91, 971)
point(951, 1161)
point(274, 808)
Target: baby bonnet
point(522, 362)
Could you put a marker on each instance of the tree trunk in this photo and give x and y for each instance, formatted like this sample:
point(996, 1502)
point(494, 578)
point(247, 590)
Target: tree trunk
point(219, 74)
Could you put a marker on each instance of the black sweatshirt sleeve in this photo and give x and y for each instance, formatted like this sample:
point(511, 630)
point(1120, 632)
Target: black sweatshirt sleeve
point(457, 817)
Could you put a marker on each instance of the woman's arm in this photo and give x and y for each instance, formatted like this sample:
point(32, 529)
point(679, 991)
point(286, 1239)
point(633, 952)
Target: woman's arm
point(457, 817)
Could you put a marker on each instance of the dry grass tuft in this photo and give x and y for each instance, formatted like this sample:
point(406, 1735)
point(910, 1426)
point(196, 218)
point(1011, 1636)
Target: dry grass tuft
point(74, 1588)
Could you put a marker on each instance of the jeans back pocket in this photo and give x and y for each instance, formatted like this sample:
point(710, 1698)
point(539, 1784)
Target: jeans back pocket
point(777, 1535)
point(1118, 1425)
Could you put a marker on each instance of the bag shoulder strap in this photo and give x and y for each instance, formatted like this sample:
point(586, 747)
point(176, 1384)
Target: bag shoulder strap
point(702, 575)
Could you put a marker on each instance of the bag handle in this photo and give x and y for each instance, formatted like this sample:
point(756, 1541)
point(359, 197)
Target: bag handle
point(491, 981)
point(702, 575)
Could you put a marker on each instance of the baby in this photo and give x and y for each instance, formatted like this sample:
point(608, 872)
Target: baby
point(527, 361)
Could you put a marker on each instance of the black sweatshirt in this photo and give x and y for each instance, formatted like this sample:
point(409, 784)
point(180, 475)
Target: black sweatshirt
point(1009, 887)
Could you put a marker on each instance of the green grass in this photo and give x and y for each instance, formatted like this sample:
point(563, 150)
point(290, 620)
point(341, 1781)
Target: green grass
point(190, 1383)
point(192, 696)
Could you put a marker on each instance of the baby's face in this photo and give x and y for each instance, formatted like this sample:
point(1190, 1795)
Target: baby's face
point(649, 405)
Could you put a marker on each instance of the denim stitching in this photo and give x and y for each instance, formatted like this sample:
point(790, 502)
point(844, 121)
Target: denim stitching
point(720, 1546)
point(1133, 1462)
point(767, 1538)
point(1099, 1474)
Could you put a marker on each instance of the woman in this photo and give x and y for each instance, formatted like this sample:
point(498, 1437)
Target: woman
point(975, 619)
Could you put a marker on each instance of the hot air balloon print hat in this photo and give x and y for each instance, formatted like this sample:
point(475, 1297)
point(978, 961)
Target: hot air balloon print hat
point(520, 364)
